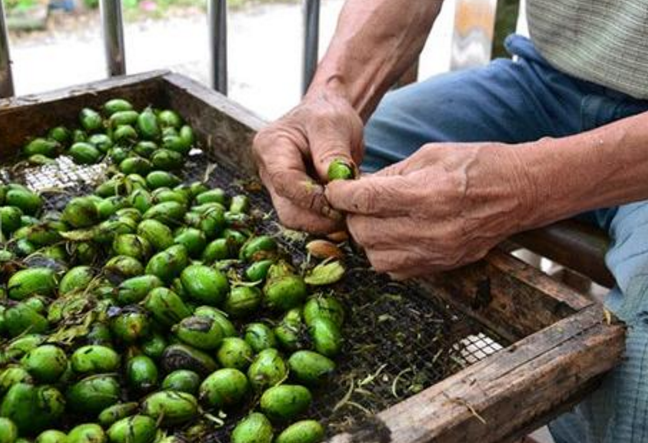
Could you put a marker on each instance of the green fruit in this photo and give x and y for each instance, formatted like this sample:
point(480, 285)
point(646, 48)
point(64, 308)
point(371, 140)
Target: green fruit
point(76, 278)
point(167, 160)
point(340, 170)
point(45, 233)
point(108, 230)
point(310, 368)
point(169, 213)
point(131, 325)
point(182, 380)
point(147, 124)
point(10, 219)
point(41, 146)
point(154, 346)
point(290, 332)
point(257, 271)
point(305, 431)
point(135, 289)
point(84, 153)
point(192, 239)
point(40, 160)
point(22, 318)
point(199, 332)
point(170, 408)
point(267, 370)
point(93, 394)
point(168, 118)
point(51, 436)
point(125, 134)
point(101, 141)
point(169, 263)
point(94, 359)
point(219, 317)
point(176, 143)
point(212, 221)
point(326, 336)
point(121, 118)
point(260, 337)
point(86, 433)
point(285, 402)
point(122, 267)
point(240, 204)
point(8, 431)
point(166, 307)
point(146, 149)
point(32, 281)
point(224, 388)
point(324, 307)
point(160, 179)
point(132, 245)
point(185, 357)
point(204, 284)
point(116, 105)
point(99, 334)
point(216, 195)
point(218, 249)
point(141, 200)
point(258, 248)
point(235, 353)
point(13, 375)
point(90, 120)
point(46, 363)
point(187, 135)
point(27, 201)
point(116, 412)
point(243, 301)
point(135, 429)
point(110, 206)
point(18, 405)
point(79, 135)
point(285, 293)
point(141, 373)
point(161, 195)
point(255, 428)
point(81, 212)
point(117, 154)
point(60, 134)
point(20, 346)
point(135, 165)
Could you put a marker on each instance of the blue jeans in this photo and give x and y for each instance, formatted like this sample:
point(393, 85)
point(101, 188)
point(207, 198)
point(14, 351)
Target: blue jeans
point(520, 101)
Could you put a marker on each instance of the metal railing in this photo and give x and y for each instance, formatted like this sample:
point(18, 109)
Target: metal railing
point(114, 46)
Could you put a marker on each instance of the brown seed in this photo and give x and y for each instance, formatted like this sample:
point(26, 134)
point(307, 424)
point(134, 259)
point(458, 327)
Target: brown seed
point(323, 249)
point(338, 236)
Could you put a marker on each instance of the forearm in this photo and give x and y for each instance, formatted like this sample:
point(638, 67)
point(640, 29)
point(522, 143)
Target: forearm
point(374, 43)
point(604, 167)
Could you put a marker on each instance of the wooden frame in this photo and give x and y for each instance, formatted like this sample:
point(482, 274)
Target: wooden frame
point(563, 342)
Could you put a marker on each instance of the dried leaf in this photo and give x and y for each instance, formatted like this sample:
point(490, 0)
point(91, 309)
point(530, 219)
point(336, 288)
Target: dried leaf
point(325, 274)
point(79, 234)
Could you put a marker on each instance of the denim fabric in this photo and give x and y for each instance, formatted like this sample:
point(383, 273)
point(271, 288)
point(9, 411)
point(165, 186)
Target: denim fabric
point(522, 100)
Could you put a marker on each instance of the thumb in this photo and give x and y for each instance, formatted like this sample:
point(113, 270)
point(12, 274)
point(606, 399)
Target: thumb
point(371, 195)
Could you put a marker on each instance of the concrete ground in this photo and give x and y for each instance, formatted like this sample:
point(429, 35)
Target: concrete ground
point(264, 56)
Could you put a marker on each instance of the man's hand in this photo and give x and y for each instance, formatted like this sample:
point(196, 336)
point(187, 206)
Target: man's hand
point(443, 207)
point(293, 155)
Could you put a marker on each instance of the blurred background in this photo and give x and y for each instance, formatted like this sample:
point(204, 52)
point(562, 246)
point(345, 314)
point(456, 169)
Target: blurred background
point(57, 43)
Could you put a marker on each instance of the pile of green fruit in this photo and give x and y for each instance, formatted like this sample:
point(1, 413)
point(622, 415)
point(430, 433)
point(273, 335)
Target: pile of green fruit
point(152, 310)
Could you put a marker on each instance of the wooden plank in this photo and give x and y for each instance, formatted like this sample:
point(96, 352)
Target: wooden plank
point(225, 128)
point(509, 296)
point(495, 400)
point(25, 117)
point(573, 244)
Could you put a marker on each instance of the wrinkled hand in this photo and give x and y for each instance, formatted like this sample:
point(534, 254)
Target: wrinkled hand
point(445, 206)
point(294, 153)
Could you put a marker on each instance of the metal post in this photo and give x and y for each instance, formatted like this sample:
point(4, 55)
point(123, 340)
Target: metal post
point(218, 44)
point(311, 41)
point(6, 79)
point(113, 35)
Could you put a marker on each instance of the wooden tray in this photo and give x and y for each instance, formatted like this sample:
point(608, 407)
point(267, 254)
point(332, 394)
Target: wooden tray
point(563, 341)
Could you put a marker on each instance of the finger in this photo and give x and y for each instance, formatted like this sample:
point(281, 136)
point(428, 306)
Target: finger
point(294, 217)
point(282, 167)
point(374, 195)
point(336, 135)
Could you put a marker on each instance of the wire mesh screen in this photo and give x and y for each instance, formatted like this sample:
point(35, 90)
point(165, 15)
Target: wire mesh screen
point(399, 339)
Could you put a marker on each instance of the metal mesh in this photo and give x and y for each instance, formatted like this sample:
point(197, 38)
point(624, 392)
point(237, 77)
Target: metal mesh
point(399, 339)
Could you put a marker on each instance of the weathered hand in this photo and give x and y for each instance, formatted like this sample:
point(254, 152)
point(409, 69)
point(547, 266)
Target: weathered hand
point(445, 206)
point(293, 155)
